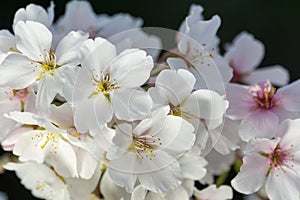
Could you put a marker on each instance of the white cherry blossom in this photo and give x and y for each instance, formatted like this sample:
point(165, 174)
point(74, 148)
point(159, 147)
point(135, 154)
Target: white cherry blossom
point(109, 84)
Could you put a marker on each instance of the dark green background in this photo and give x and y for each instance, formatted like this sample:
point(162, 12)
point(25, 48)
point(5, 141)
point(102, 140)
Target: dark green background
point(275, 22)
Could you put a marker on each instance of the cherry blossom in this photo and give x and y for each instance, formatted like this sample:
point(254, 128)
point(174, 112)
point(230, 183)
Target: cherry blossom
point(261, 107)
point(272, 163)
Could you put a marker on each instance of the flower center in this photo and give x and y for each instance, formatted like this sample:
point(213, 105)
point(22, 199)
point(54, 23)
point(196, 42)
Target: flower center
point(144, 145)
point(105, 86)
point(180, 112)
point(48, 65)
point(263, 94)
point(277, 158)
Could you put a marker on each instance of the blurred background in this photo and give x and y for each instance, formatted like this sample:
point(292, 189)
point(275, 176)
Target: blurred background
point(274, 22)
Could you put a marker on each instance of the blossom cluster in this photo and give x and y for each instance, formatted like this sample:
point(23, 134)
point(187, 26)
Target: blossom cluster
point(91, 107)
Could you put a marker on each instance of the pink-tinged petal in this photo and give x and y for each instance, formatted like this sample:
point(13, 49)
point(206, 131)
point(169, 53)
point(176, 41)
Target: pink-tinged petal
point(282, 183)
point(283, 114)
point(261, 123)
point(177, 84)
point(277, 75)
point(33, 39)
point(241, 103)
point(164, 174)
point(289, 96)
point(18, 72)
point(245, 54)
point(11, 139)
point(204, 32)
point(30, 149)
point(131, 68)
point(261, 145)
point(131, 104)
point(252, 174)
point(288, 131)
point(195, 14)
point(119, 23)
point(96, 56)
point(67, 50)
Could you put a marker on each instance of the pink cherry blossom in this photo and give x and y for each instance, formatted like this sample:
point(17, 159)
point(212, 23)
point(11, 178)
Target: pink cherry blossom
point(261, 107)
point(273, 163)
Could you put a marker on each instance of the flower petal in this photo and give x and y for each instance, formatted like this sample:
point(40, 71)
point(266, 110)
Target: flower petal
point(245, 54)
point(18, 72)
point(240, 101)
point(33, 39)
point(131, 68)
point(96, 55)
point(289, 96)
point(282, 184)
point(165, 175)
point(261, 123)
point(67, 50)
point(131, 104)
point(252, 174)
point(277, 75)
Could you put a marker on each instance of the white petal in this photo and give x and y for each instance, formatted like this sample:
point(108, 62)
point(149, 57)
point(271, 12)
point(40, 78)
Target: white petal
point(64, 159)
point(86, 164)
point(212, 192)
point(67, 50)
point(35, 13)
point(139, 193)
point(123, 179)
point(192, 166)
point(96, 55)
point(165, 175)
point(47, 90)
point(131, 68)
point(176, 136)
point(131, 104)
point(246, 53)
point(206, 104)
point(7, 41)
point(24, 117)
point(97, 109)
point(33, 39)
point(18, 72)
point(277, 75)
point(176, 84)
point(110, 190)
point(282, 184)
point(252, 174)
point(41, 180)
point(80, 87)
